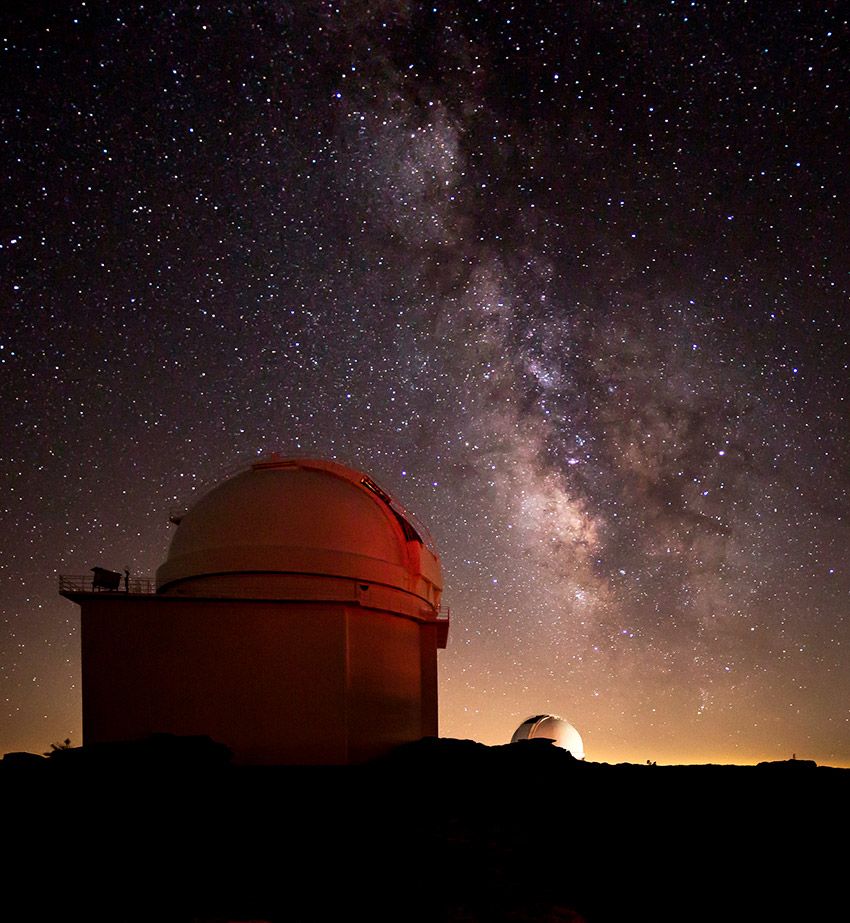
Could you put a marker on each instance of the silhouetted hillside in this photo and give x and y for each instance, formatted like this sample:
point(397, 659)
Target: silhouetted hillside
point(442, 830)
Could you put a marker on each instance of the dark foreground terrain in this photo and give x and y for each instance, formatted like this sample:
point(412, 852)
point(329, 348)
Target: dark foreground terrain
point(441, 830)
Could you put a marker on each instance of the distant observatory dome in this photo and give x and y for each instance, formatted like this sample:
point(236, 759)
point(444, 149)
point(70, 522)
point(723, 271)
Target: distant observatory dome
point(551, 727)
point(302, 529)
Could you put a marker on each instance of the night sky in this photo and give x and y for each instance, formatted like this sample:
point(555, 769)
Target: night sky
point(568, 279)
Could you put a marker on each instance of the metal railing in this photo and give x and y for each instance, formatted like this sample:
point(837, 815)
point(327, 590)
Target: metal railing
point(89, 583)
point(144, 586)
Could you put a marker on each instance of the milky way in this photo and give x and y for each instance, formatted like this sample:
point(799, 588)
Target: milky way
point(568, 279)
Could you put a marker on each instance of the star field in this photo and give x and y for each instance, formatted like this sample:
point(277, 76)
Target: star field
point(569, 280)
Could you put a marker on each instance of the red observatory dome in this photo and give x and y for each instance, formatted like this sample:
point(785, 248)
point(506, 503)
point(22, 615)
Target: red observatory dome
point(296, 619)
point(296, 528)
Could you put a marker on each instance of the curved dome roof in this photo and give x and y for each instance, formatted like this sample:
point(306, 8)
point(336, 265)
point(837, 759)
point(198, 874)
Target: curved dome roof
point(551, 727)
point(304, 518)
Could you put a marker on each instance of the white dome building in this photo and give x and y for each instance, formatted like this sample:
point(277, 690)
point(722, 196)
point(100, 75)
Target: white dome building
point(295, 619)
point(551, 727)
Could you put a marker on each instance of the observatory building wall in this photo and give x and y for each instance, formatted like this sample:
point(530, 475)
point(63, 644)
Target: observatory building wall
point(385, 678)
point(279, 683)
